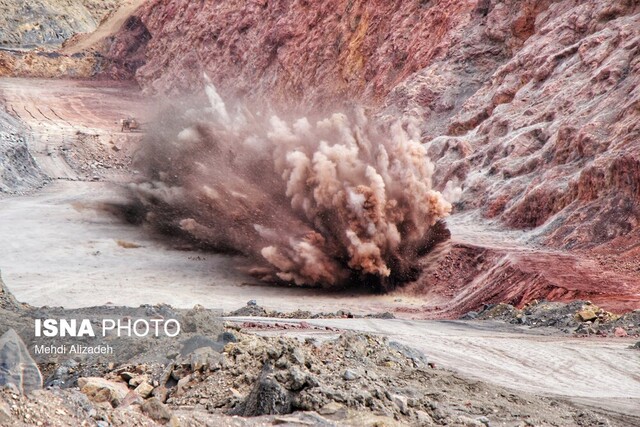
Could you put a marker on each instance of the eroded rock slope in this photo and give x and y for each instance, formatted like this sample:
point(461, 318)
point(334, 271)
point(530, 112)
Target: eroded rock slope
point(18, 170)
point(49, 22)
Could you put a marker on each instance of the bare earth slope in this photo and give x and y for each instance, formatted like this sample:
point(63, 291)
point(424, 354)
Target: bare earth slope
point(109, 26)
point(298, 52)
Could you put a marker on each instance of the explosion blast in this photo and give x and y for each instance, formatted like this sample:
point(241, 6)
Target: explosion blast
point(334, 202)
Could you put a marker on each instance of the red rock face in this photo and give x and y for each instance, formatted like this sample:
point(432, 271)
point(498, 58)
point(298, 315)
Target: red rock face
point(554, 132)
point(311, 52)
point(126, 53)
point(532, 107)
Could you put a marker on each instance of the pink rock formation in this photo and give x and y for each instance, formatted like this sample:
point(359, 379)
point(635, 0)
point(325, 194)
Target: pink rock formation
point(301, 51)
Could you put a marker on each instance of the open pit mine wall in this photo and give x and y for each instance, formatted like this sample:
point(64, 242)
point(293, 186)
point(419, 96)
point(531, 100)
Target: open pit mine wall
point(18, 170)
point(532, 106)
point(33, 23)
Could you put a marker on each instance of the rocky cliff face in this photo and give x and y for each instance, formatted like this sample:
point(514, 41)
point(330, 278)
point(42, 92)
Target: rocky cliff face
point(551, 140)
point(49, 22)
point(296, 51)
point(18, 170)
point(531, 106)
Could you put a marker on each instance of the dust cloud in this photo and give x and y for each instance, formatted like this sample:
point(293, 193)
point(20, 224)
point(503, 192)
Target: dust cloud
point(333, 202)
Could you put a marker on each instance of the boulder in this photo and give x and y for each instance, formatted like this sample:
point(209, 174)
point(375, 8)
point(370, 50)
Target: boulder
point(157, 411)
point(268, 397)
point(144, 389)
point(100, 390)
point(16, 364)
point(587, 315)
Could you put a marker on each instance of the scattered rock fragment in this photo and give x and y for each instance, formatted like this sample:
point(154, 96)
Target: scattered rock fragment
point(578, 317)
point(620, 332)
point(350, 375)
point(132, 398)
point(401, 402)
point(205, 358)
point(157, 411)
point(144, 389)
point(161, 393)
point(100, 390)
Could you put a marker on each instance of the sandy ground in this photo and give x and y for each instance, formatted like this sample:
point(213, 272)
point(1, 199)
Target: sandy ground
point(54, 253)
point(56, 250)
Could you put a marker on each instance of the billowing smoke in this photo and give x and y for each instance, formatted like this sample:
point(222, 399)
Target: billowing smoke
point(330, 202)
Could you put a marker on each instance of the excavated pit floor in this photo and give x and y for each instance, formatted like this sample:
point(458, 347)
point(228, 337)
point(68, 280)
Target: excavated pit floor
point(56, 249)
